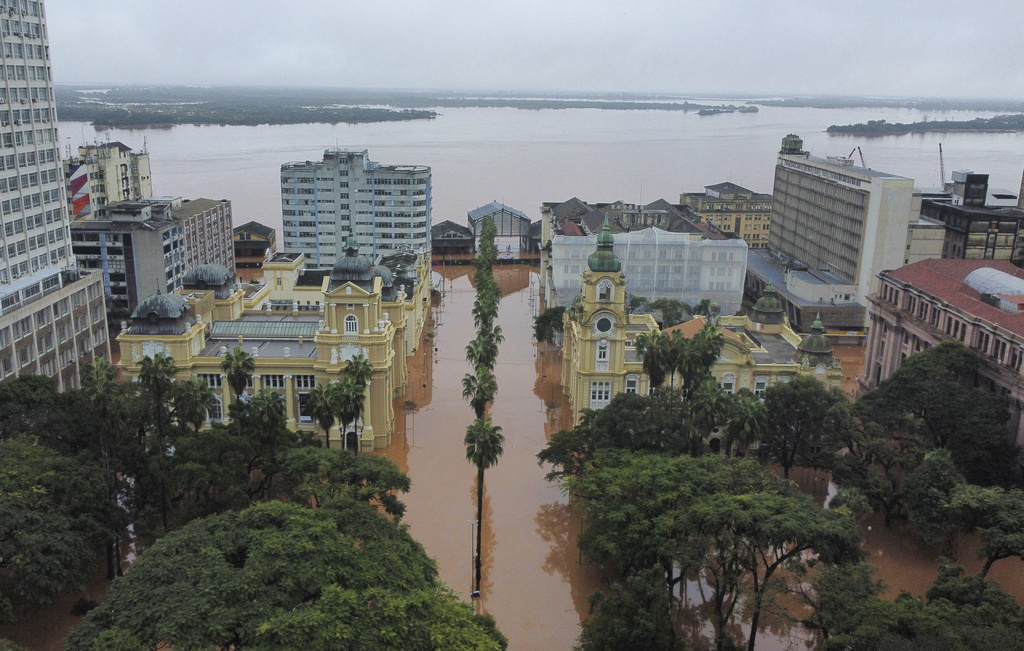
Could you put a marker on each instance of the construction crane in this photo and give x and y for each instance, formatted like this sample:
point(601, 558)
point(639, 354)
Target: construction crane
point(942, 170)
point(857, 150)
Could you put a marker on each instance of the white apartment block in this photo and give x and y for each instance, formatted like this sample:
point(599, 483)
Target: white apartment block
point(50, 317)
point(834, 216)
point(387, 207)
point(657, 264)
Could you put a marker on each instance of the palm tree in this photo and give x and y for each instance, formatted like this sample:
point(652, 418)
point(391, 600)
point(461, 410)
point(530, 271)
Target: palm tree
point(360, 369)
point(709, 406)
point(484, 446)
point(100, 385)
point(347, 398)
point(695, 357)
point(482, 351)
point(156, 375)
point(655, 350)
point(193, 400)
point(747, 424)
point(321, 406)
point(480, 389)
point(239, 366)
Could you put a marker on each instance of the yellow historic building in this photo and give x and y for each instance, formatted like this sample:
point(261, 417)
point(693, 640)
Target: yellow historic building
point(301, 326)
point(599, 358)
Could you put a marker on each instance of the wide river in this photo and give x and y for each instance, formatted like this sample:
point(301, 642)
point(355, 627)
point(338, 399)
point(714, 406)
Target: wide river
point(524, 158)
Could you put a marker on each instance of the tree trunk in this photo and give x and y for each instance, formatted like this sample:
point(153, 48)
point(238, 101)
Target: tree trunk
point(755, 616)
point(479, 521)
point(988, 566)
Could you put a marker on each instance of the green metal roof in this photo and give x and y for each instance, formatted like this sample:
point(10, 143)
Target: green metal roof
point(249, 328)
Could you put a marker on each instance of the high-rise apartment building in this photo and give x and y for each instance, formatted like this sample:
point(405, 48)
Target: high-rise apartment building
point(51, 317)
point(387, 207)
point(104, 173)
point(831, 215)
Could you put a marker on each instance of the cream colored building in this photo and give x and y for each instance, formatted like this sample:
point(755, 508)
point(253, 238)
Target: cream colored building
point(600, 358)
point(734, 209)
point(301, 326)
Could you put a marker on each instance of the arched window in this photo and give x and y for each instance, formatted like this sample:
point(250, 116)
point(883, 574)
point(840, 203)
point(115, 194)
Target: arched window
point(729, 382)
point(351, 325)
point(604, 291)
point(760, 385)
point(216, 411)
point(602, 351)
point(631, 383)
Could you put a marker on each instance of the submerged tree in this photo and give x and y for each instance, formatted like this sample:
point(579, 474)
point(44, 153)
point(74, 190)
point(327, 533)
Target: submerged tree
point(484, 446)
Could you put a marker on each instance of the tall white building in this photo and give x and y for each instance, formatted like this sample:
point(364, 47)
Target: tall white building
point(832, 215)
point(103, 173)
point(50, 318)
point(387, 207)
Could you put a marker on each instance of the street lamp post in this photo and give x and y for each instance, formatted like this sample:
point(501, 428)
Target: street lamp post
point(473, 524)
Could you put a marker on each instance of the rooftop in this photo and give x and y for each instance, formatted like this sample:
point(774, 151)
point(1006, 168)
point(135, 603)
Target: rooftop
point(827, 163)
point(760, 262)
point(255, 228)
point(945, 280)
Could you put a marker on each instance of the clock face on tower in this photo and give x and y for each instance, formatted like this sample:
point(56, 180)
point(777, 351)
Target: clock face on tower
point(604, 324)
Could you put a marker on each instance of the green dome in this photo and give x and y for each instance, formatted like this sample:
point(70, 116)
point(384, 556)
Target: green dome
point(352, 267)
point(768, 308)
point(816, 346)
point(604, 259)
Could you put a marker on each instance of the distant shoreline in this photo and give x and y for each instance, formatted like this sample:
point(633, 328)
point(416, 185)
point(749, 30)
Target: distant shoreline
point(168, 106)
point(997, 124)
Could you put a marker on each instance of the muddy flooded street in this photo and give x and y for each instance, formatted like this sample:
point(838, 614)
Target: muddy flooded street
point(533, 581)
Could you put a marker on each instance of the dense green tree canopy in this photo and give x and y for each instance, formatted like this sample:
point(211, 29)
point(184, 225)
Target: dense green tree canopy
point(804, 419)
point(280, 575)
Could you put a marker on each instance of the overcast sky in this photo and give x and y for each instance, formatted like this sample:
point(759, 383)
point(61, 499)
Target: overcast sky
point(860, 47)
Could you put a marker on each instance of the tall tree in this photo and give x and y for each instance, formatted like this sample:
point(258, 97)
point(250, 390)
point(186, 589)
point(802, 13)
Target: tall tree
point(192, 401)
point(748, 421)
point(280, 575)
point(321, 406)
point(484, 446)
point(710, 406)
point(548, 324)
point(480, 389)
point(804, 417)
point(156, 375)
point(656, 352)
point(932, 398)
point(347, 397)
point(239, 366)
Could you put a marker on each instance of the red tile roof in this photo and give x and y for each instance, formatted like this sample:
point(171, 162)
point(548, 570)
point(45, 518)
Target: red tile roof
point(944, 279)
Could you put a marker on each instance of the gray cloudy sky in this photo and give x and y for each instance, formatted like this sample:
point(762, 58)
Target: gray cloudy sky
point(865, 47)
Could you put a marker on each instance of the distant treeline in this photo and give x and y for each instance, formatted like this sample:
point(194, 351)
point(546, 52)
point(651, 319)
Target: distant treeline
point(883, 128)
point(169, 105)
point(1012, 106)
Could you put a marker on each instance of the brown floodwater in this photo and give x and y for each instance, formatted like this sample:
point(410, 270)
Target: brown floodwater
point(534, 582)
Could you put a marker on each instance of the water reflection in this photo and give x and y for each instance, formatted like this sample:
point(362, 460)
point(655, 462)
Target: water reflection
point(532, 583)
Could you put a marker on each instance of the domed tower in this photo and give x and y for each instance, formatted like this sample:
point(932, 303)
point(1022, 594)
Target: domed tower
point(210, 276)
point(161, 314)
point(594, 353)
point(767, 314)
point(352, 268)
point(815, 347)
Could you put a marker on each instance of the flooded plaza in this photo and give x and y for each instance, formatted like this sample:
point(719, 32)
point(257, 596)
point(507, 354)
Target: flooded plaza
point(533, 580)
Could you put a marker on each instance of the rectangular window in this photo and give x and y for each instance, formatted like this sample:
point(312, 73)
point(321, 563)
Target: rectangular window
point(273, 381)
point(600, 394)
point(213, 380)
point(305, 381)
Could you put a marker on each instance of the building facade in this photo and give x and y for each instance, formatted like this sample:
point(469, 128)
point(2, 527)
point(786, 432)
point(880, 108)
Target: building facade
point(254, 243)
point(831, 215)
point(103, 173)
point(52, 323)
point(599, 357)
point(733, 209)
point(978, 302)
point(134, 252)
point(141, 247)
point(51, 317)
point(302, 327)
point(323, 203)
point(663, 254)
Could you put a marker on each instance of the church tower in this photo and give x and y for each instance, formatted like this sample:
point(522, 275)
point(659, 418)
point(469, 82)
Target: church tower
point(594, 354)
